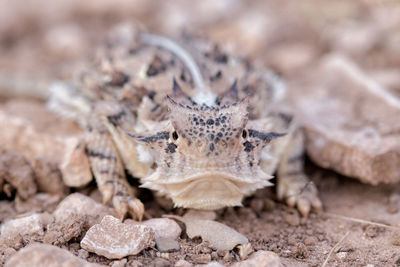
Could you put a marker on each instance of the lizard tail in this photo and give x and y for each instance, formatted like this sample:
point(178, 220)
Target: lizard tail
point(182, 54)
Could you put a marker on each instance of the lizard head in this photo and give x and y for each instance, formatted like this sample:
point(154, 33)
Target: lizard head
point(206, 156)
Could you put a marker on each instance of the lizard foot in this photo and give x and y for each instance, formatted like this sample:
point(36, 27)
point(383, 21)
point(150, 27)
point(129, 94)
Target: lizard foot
point(124, 203)
point(297, 190)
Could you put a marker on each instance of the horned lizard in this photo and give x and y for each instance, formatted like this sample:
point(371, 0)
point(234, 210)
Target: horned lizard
point(191, 122)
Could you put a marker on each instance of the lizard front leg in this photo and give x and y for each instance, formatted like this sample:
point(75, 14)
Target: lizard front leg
point(108, 170)
point(293, 185)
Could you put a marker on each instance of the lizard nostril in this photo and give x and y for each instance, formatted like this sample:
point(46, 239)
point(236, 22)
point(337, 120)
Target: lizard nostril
point(175, 135)
point(244, 133)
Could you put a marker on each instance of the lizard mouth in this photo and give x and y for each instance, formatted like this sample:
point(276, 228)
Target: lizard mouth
point(209, 191)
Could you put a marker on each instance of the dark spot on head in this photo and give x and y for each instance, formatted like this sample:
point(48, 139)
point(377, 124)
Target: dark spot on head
point(244, 133)
point(211, 136)
point(171, 148)
point(175, 135)
point(248, 146)
point(219, 134)
point(210, 121)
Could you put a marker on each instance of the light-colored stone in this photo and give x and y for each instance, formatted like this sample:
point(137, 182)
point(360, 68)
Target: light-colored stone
point(164, 227)
point(201, 214)
point(121, 263)
point(183, 263)
point(28, 228)
point(213, 264)
point(351, 122)
point(115, 240)
point(75, 165)
point(74, 215)
point(82, 205)
point(37, 255)
point(29, 128)
point(16, 170)
point(260, 258)
point(217, 234)
point(48, 177)
point(167, 244)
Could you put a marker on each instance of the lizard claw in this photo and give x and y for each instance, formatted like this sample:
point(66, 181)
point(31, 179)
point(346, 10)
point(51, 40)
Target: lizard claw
point(136, 208)
point(128, 204)
point(298, 191)
point(107, 192)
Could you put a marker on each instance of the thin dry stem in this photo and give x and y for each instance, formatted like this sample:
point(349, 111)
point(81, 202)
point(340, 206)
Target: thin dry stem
point(334, 248)
point(362, 221)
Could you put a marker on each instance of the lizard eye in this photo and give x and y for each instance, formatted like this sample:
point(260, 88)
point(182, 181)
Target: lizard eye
point(175, 135)
point(244, 133)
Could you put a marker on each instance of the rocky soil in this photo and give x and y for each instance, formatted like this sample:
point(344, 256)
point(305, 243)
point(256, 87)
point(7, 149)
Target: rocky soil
point(341, 64)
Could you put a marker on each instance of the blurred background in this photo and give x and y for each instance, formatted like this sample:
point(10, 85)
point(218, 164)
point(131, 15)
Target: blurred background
point(42, 37)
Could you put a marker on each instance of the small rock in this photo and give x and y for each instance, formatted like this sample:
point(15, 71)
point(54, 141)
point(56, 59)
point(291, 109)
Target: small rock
point(292, 219)
point(82, 205)
point(343, 133)
point(213, 264)
point(83, 254)
point(260, 258)
point(37, 255)
point(164, 228)
point(40, 202)
point(73, 216)
point(121, 263)
point(28, 228)
point(341, 255)
point(167, 244)
point(75, 165)
point(201, 214)
point(183, 263)
point(310, 241)
point(217, 234)
point(16, 170)
point(201, 258)
point(48, 177)
point(6, 254)
point(115, 240)
point(269, 204)
point(245, 250)
point(394, 203)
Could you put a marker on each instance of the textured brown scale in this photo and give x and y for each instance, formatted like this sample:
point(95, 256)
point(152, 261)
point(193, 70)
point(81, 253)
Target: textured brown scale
point(205, 143)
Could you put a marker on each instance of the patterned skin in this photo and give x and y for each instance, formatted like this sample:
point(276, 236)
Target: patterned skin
point(213, 137)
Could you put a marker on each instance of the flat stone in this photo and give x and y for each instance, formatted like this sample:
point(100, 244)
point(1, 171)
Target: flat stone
point(73, 216)
point(37, 255)
point(16, 170)
point(164, 228)
point(28, 228)
point(48, 177)
point(82, 205)
point(27, 127)
point(115, 240)
point(260, 258)
point(167, 244)
point(220, 236)
point(351, 122)
point(75, 165)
